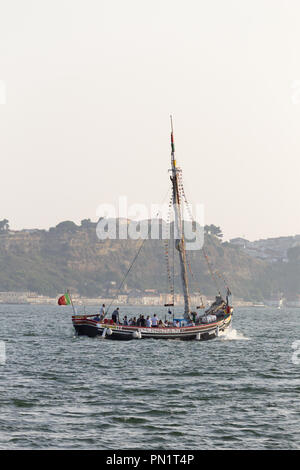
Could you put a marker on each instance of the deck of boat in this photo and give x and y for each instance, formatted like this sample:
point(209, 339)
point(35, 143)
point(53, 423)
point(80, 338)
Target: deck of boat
point(91, 327)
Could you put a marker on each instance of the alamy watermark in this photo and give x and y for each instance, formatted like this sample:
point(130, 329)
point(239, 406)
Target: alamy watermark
point(2, 353)
point(2, 92)
point(295, 86)
point(159, 222)
point(296, 353)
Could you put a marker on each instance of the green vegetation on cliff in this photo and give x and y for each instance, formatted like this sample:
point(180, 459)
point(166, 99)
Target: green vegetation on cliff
point(71, 256)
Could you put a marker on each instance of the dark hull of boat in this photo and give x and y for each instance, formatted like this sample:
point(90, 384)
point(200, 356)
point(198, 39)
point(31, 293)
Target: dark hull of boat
point(203, 332)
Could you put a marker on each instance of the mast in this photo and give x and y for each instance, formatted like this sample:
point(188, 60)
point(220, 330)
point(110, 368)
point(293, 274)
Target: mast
point(180, 242)
point(73, 308)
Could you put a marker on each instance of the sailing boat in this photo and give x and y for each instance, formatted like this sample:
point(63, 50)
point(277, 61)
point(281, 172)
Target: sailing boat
point(216, 318)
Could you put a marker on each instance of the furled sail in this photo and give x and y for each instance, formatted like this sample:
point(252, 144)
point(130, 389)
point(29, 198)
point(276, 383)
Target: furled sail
point(180, 241)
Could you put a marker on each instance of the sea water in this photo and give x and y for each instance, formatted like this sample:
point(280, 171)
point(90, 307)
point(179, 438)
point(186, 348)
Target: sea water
point(60, 391)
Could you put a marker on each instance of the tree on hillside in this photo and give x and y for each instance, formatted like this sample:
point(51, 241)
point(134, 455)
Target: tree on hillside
point(294, 254)
point(87, 223)
point(4, 225)
point(213, 230)
point(66, 226)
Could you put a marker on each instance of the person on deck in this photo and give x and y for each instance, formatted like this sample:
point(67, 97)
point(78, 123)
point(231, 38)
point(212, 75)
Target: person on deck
point(116, 316)
point(102, 312)
point(154, 321)
point(148, 322)
point(125, 321)
point(194, 316)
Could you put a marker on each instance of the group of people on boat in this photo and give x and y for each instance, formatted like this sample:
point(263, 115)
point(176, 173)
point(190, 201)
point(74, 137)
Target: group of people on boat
point(217, 310)
point(148, 322)
point(142, 321)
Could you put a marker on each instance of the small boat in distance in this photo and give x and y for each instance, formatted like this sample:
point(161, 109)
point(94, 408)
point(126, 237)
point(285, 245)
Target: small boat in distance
point(216, 318)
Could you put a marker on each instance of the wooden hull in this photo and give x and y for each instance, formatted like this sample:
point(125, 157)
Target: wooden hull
point(202, 332)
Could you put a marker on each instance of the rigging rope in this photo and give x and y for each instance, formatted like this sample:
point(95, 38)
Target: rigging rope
point(130, 267)
point(128, 271)
point(167, 258)
point(221, 276)
point(189, 213)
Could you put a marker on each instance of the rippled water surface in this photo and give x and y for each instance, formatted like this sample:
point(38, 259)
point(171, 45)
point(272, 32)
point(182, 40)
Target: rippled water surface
point(239, 391)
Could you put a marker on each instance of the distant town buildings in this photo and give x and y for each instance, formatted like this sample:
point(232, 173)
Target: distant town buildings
point(271, 249)
point(144, 298)
point(14, 297)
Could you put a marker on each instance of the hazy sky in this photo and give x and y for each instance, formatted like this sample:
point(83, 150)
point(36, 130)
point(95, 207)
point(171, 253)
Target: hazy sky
point(90, 85)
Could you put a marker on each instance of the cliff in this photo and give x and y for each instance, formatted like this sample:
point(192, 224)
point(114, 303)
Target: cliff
point(70, 256)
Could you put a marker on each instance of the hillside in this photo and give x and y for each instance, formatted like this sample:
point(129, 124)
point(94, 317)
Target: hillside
point(71, 256)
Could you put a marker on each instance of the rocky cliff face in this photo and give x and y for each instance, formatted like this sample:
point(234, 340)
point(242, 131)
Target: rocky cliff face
point(48, 262)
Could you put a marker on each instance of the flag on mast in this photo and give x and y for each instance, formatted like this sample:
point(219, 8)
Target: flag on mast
point(64, 299)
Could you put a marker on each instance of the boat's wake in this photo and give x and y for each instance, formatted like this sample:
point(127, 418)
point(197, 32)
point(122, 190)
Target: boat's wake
point(231, 334)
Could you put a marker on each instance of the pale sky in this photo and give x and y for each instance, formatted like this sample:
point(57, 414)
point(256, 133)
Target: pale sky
point(90, 85)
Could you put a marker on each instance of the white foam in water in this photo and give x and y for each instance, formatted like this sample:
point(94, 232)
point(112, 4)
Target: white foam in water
point(2, 353)
point(232, 334)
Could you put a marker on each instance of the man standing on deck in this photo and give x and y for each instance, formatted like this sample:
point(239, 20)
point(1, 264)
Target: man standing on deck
point(115, 316)
point(102, 312)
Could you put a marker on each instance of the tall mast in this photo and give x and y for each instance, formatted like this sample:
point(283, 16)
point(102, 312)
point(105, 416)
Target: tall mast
point(180, 242)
